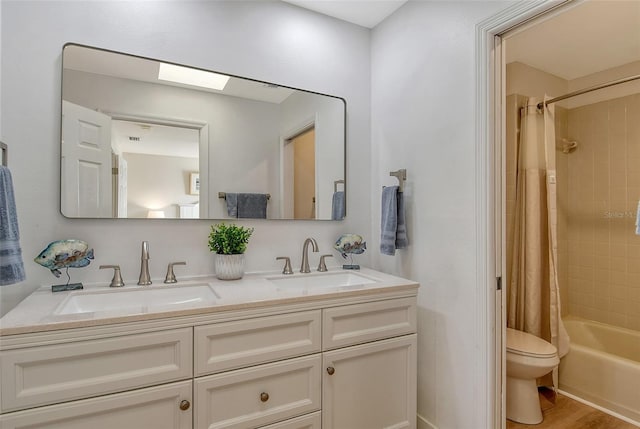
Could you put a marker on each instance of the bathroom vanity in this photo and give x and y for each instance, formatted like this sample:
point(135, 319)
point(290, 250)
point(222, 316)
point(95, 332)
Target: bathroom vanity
point(321, 350)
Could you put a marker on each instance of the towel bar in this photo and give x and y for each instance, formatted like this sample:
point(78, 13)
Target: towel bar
point(336, 183)
point(401, 175)
point(5, 154)
point(223, 195)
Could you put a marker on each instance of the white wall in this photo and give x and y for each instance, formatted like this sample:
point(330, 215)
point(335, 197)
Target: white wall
point(423, 101)
point(525, 80)
point(270, 41)
point(609, 75)
point(158, 182)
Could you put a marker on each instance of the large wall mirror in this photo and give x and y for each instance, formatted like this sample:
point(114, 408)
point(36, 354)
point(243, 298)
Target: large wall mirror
point(145, 138)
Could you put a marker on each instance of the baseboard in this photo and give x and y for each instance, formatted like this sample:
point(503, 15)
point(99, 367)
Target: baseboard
point(424, 424)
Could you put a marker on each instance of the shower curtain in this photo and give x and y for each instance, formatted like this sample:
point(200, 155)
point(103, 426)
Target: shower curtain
point(533, 301)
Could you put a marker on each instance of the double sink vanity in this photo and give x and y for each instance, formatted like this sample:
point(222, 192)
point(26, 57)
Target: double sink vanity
point(330, 350)
point(320, 350)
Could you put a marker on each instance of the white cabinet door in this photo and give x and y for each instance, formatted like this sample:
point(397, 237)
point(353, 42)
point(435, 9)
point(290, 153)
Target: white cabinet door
point(150, 408)
point(260, 395)
point(370, 386)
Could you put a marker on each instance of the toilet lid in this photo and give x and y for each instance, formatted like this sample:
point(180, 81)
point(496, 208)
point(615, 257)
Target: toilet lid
point(523, 343)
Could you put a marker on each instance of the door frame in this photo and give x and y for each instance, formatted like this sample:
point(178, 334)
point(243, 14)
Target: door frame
point(490, 201)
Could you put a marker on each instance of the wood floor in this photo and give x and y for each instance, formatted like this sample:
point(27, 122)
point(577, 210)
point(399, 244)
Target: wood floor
point(570, 414)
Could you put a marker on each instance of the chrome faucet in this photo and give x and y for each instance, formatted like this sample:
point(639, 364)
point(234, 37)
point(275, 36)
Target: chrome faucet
point(171, 276)
point(144, 265)
point(305, 254)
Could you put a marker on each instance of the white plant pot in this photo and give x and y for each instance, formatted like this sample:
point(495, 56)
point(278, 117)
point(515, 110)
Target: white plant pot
point(229, 267)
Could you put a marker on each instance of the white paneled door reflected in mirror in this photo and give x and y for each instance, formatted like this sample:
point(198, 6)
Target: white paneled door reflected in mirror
point(146, 138)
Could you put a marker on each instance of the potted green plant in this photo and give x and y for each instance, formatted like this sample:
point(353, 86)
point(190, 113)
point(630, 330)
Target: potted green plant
point(229, 242)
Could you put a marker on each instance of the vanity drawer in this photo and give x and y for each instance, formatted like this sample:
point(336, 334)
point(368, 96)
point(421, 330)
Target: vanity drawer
point(258, 396)
point(309, 421)
point(361, 323)
point(148, 408)
point(57, 373)
point(242, 343)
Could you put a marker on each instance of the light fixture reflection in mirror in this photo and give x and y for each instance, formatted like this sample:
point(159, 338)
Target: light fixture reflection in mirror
point(155, 214)
point(129, 137)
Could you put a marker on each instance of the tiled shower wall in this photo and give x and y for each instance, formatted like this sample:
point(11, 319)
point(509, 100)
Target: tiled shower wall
point(598, 193)
point(599, 206)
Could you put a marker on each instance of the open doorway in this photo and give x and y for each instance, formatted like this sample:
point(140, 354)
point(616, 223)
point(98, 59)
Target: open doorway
point(587, 87)
point(299, 175)
point(154, 167)
point(601, 213)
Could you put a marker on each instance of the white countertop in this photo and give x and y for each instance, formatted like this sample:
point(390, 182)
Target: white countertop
point(41, 311)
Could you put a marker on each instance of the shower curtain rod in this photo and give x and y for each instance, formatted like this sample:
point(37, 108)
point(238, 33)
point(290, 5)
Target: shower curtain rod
point(584, 91)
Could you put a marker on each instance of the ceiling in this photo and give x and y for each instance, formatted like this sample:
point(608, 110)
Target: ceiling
point(606, 31)
point(365, 13)
point(146, 70)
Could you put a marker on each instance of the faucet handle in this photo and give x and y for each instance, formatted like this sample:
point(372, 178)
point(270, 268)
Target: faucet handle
point(171, 277)
point(287, 265)
point(322, 267)
point(116, 281)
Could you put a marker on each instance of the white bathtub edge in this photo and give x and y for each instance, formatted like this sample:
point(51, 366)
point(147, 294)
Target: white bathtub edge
point(424, 423)
point(599, 407)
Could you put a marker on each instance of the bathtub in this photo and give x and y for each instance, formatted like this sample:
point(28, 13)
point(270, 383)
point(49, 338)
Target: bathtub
point(603, 367)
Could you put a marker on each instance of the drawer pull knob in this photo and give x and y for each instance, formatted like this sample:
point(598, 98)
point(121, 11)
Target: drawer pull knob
point(331, 370)
point(264, 397)
point(184, 405)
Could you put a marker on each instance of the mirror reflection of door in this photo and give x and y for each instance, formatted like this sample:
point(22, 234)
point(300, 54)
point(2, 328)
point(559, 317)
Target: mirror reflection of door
point(304, 175)
point(86, 162)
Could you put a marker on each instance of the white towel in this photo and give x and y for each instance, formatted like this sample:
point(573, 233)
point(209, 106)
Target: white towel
point(11, 264)
point(638, 220)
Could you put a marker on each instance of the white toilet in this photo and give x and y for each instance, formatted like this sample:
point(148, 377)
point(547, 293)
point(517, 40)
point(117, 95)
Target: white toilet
point(528, 357)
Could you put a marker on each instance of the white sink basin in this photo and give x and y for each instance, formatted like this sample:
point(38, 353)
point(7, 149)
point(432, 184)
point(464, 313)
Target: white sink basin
point(138, 300)
point(340, 280)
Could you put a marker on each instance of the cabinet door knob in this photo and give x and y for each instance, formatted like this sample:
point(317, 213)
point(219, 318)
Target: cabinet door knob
point(331, 370)
point(264, 397)
point(184, 405)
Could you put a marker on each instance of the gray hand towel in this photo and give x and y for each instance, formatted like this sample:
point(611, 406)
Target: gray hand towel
point(337, 206)
point(11, 264)
point(392, 223)
point(252, 206)
point(402, 242)
point(232, 204)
